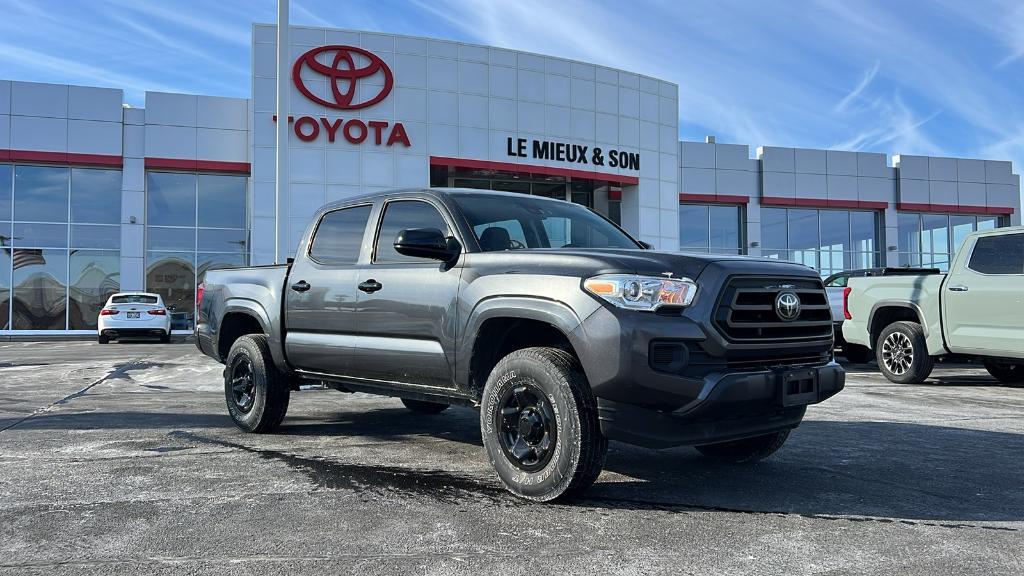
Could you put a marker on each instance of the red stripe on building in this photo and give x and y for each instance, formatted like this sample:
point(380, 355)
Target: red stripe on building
point(198, 165)
point(714, 198)
point(823, 203)
point(62, 158)
point(955, 208)
point(533, 169)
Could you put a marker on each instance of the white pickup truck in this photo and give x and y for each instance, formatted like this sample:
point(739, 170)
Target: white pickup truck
point(974, 311)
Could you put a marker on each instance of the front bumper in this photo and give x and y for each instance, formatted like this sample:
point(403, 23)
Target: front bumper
point(731, 406)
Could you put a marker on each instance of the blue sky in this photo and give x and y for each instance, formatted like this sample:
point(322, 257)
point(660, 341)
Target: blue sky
point(897, 76)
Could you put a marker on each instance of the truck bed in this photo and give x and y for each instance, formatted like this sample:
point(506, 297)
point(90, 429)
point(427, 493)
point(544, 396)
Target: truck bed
point(256, 289)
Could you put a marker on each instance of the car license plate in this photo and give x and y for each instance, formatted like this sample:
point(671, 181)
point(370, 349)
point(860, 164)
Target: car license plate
point(134, 314)
point(799, 387)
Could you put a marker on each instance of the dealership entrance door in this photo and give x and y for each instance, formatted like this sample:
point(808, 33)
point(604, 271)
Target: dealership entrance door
point(602, 197)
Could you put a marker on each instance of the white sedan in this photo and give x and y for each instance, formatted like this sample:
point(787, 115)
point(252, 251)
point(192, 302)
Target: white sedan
point(134, 314)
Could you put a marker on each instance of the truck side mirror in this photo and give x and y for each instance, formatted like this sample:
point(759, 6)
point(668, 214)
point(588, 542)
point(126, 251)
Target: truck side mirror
point(426, 243)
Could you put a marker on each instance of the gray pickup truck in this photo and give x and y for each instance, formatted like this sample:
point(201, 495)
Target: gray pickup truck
point(559, 327)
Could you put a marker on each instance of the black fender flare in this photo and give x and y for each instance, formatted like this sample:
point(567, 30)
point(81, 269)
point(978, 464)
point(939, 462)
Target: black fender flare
point(254, 310)
point(556, 313)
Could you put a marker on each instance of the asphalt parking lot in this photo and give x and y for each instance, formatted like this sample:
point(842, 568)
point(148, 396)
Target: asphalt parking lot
point(121, 459)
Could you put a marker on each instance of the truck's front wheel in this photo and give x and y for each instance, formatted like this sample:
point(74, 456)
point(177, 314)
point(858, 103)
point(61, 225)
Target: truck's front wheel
point(746, 450)
point(539, 425)
point(902, 353)
point(1009, 374)
point(256, 392)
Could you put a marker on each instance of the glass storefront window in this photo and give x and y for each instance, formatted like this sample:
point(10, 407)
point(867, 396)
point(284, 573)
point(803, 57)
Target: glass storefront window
point(172, 276)
point(95, 196)
point(95, 236)
point(714, 229)
point(170, 199)
point(221, 201)
point(6, 194)
point(95, 276)
point(827, 240)
point(40, 289)
point(5, 289)
point(40, 194)
point(61, 252)
point(204, 223)
point(931, 240)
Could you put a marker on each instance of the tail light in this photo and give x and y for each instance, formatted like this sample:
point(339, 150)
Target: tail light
point(846, 303)
point(199, 293)
point(108, 312)
point(157, 312)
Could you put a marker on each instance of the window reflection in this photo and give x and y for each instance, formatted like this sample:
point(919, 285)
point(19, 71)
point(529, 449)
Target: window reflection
point(95, 276)
point(931, 240)
point(41, 235)
point(40, 294)
point(90, 236)
point(829, 240)
point(5, 191)
point(214, 240)
point(208, 262)
point(170, 199)
point(222, 201)
point(174, 239)
point(714, 229)
point(40, 194)
point(172, 276)
point(95, 196)
point(5, 288)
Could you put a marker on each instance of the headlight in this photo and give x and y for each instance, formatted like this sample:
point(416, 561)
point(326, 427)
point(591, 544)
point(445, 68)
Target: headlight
point(642, 292)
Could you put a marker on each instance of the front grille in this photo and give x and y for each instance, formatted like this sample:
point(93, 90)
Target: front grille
point(746, 310)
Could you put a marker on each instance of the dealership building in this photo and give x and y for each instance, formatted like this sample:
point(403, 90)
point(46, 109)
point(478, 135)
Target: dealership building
point(97, 196)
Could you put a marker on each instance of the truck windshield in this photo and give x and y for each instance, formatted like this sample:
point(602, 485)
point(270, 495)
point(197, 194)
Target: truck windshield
point(513, 223)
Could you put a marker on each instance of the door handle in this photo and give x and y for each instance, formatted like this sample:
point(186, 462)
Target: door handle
point(370, 286)
point(958, 288)
point(301, 286)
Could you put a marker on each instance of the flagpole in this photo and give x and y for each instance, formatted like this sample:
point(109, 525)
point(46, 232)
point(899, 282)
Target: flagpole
point(281, 164)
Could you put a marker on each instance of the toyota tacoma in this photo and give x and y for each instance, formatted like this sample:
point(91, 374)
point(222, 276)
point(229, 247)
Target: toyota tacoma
point(559, 327)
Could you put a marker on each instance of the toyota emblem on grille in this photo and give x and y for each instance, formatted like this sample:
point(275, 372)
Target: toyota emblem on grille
point(787, 306)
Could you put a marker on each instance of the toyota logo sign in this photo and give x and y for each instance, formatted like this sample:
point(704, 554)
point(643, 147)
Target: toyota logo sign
point(787, 306)
point(348, 66)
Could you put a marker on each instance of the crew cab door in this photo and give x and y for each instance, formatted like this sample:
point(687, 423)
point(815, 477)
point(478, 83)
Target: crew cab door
point(407, 305)
point(321, 295)
point(983, 298)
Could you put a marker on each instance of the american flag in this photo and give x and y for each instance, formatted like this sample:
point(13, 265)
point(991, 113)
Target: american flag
point(26, 257)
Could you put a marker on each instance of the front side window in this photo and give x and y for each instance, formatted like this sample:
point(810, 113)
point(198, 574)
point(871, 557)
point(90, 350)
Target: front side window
point(1002, 254)
point(544, 224)
point(401, 215)
point(339, 236)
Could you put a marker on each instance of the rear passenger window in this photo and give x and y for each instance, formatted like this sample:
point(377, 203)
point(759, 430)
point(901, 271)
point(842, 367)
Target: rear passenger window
point(1003, 254)
point(401, 215)
point(340, 235)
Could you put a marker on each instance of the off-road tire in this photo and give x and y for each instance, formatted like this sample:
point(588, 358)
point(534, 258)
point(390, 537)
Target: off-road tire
point(424, 407)
point(1010, 374)
point(270, 386)
point(746, 450)
point(920, 364)
point(577, 453)
point(857, 354)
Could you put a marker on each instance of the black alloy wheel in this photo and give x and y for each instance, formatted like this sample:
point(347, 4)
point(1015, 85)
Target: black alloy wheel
point(243, 385)
point(529, 430)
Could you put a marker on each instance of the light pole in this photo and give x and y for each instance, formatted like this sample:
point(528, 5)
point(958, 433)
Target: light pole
point(281, 165)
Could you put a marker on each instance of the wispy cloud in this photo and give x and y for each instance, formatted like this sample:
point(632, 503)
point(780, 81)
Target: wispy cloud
point(865, 80)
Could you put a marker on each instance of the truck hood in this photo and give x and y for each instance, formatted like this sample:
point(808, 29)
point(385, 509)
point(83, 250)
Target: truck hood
point(584, 263)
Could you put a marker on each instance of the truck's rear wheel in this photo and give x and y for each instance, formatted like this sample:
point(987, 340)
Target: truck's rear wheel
point(256, 392)
point(902, 353)
point(1009, 374)
point(539, 425)
point(746, 450)
point(424, 407)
